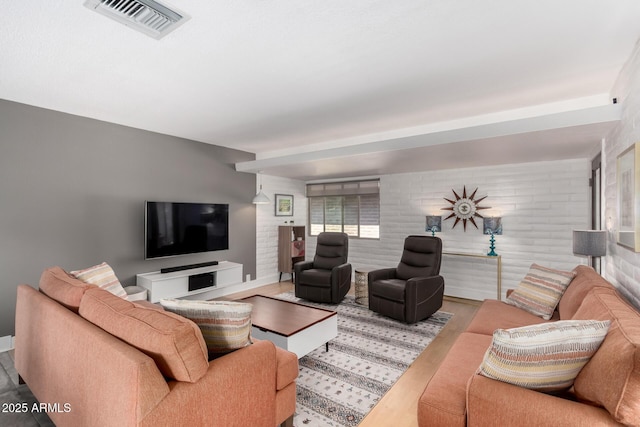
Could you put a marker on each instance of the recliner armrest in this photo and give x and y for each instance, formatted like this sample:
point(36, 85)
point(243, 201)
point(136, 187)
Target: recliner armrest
point(382, 274)
point(423, 291)
point(299, 267)
point(302, 266)
point(341, 273)
point(435, 280)
point(424, 287)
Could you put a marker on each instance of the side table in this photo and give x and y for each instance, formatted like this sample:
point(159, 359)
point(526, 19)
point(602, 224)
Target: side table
point(136, 293)
point(498, 259)
point(362, 285)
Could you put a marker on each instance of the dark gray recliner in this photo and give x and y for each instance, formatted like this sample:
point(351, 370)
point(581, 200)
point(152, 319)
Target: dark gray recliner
point(414, 290)
point(328, 277)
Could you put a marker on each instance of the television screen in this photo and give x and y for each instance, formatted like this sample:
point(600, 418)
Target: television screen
point(185, 228)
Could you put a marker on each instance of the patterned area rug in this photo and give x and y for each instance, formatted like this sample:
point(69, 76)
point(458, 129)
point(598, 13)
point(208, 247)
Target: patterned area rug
point(339, 387)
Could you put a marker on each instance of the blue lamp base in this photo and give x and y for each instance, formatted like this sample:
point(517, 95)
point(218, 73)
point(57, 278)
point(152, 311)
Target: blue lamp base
point(492, 252)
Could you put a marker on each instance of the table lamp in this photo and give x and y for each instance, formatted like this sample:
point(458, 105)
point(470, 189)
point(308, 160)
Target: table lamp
point(434, 223)
point(492, 226)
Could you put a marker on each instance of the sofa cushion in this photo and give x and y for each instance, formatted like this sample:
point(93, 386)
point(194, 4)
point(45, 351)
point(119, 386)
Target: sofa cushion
point(494, 314)
point(316, 277)
point(225, 325)
point(541, 290)
point(389, 289)
point(101, 275)
point(147, 304)
point(60, 286)
point(173, 342)
point(586, 279)
point(612, 377)
point(493, 403)
point(545, 357)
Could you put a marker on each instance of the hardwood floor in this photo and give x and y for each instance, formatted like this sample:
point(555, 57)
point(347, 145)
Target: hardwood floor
point(400, 405)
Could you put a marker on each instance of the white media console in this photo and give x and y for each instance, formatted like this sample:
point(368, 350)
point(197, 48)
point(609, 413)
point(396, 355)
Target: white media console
point(177, 283)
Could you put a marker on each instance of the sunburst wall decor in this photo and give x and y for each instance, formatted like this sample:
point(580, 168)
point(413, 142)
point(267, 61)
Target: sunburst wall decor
point(465, 208)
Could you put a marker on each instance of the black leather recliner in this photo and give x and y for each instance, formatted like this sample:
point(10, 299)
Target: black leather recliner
point(414, 290)
point(328, 277)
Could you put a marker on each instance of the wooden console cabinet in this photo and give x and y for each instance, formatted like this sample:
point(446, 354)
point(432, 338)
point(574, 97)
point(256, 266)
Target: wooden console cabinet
point(176, 284)
point(291, 247)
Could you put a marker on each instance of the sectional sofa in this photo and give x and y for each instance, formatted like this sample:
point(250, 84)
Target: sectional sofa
point(109, 362)
point(606, 391)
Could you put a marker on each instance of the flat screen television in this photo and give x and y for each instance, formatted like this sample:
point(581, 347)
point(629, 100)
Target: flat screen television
point(173, 229)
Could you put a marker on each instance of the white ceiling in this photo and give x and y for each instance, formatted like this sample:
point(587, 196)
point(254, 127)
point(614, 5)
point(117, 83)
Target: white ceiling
point(321, 89)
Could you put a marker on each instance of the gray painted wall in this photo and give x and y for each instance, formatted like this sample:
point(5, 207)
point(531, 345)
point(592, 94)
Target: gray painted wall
point(72, 194)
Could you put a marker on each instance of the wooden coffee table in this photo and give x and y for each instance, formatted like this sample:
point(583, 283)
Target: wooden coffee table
point(295, 327)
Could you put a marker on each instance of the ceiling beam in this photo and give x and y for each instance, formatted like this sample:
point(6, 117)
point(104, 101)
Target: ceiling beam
point(515, 126)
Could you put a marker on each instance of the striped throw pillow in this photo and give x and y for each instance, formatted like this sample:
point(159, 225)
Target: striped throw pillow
point(101, 275)
point(225, 325)
point(541, 290)
point(546, 357)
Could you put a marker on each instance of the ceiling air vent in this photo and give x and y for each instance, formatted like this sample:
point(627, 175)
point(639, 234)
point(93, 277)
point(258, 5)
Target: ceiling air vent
point(147, 16)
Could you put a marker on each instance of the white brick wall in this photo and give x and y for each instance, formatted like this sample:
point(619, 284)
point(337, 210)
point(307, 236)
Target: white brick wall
point(540, 203)
point(267, 223)
point(622, 264)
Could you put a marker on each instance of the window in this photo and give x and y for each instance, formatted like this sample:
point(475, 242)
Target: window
point(351, 207)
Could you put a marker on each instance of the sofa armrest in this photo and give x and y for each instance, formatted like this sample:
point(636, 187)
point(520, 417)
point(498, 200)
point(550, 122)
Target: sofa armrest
point(490, 400)
point(237, 389)
point(287, 364)
point(382, 274)
point(64, 358)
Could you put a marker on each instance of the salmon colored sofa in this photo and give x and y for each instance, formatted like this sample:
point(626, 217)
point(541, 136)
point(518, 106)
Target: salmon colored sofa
point(163, 378)
point(605, 393)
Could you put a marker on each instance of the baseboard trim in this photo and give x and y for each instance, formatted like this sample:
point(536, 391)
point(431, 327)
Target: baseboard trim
point(6, 343)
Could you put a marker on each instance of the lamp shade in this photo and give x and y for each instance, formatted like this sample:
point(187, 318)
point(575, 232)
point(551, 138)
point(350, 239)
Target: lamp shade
point(492, 225)
point(434, 223)
point(590, 242)
point(260, 199)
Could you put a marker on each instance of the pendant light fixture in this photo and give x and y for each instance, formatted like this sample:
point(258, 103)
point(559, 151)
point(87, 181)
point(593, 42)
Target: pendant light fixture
point(260, 198)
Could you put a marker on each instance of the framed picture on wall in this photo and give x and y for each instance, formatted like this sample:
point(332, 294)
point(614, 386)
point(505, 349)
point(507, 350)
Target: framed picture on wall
point(628, 179)
point(284, 205)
